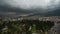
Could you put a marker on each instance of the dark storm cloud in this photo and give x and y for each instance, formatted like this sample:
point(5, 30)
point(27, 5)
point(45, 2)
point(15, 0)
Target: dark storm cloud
point(4, 9)
point(28, 6)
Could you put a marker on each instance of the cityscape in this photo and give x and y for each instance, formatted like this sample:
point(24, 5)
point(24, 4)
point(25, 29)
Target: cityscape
point(29, 16)
point(55, 20)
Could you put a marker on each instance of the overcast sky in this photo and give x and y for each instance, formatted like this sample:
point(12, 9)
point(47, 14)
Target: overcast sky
point(41, 6)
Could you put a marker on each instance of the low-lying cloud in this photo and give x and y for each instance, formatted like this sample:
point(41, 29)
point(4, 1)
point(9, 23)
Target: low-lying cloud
point(39, 5)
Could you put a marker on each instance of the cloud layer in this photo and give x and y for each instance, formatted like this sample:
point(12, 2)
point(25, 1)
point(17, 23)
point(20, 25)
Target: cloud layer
point(41, 6)
point(28, 4)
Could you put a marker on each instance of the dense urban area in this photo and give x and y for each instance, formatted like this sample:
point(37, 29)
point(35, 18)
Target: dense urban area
point(28, 24)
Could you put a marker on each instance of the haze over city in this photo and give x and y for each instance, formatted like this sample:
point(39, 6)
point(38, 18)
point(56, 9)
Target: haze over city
point(29, 16)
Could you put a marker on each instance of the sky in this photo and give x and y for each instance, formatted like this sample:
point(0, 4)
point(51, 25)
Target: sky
point(28, 6)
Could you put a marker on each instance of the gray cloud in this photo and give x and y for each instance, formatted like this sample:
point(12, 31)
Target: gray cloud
point(29, 6)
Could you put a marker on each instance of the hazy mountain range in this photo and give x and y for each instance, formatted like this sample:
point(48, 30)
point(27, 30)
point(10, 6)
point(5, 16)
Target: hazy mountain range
point(5, 10)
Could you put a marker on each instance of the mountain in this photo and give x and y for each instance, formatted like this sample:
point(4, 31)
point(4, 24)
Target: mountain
point(50, 13)
point(6, 10)
point(54, 13)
